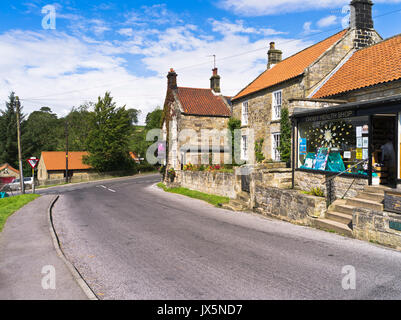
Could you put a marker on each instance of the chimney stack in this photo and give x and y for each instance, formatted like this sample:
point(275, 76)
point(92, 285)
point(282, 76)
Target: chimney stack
point(362, 21)
point(172, 80)
point(215, 81)
point(274, 55)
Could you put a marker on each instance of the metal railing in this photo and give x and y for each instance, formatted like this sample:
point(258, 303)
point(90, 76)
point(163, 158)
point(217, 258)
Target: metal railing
point(330, 180)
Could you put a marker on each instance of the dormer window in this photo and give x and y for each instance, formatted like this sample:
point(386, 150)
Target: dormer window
point(277, 103)
point(244, 118)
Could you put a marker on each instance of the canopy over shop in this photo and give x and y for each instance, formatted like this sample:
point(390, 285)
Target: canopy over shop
point(349, 139)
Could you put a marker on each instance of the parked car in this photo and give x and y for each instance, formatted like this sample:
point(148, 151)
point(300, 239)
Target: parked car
point(15, 185)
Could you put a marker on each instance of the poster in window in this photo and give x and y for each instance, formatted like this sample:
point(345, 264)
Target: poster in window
point(359, 154)
point(365, 142)
point(321, 159)
point(302, 146)
point(347, 154)
point(359, 142)
point(365, 129)
point(359, 132)
point(365, 154)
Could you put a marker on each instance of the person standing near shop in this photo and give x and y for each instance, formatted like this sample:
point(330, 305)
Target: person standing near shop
point(388, 159)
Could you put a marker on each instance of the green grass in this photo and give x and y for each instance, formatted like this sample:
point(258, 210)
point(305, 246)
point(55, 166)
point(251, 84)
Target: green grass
point(10, 205)
point(210, 198)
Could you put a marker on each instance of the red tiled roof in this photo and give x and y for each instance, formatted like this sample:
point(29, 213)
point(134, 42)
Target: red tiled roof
point(370, 66)
point(290, 67)
point(6, 165)
point(202, 102)
point(55, 160)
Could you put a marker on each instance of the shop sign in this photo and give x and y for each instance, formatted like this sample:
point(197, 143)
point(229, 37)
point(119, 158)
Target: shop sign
point(331, 116)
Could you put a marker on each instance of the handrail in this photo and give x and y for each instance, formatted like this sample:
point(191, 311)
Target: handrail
point(330, 179)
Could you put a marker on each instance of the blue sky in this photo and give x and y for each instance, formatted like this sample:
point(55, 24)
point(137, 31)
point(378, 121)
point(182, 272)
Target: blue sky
point(127, 47)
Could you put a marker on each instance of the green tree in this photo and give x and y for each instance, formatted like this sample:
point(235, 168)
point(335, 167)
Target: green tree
point(138, 141)
point(8, 132)
point(234, 124)
point(285, 137)
point(78, 121)
point(109, 132)
point(42, 132)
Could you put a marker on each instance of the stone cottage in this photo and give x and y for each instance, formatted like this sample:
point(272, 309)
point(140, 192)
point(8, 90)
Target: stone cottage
point(259, 104)
point(189, 111)
point(52, 165)
point(7, 174)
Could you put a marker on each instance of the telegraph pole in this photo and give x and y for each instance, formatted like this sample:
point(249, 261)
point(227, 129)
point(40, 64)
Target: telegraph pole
point(21, 174)
point(66, 151)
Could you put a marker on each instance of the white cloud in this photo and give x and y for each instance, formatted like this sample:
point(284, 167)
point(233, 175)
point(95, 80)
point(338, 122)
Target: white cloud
point(307, 27)
point(327, 21)
point(260, 8)
point(60, 71)
point(226, 27)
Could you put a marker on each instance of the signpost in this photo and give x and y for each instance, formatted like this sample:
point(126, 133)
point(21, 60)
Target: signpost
point(33, 162)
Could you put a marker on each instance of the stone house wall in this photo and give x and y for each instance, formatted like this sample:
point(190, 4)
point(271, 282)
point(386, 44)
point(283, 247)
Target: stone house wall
point(260, 103)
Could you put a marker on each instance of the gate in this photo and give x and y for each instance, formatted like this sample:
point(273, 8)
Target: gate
point(245, 180)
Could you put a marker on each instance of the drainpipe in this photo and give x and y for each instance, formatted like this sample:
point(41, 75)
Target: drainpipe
point(294, 124)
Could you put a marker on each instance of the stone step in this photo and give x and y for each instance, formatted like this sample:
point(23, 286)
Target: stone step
point(368, 204)
point(339, 217)
point(371, 196)
point(285, 180)
point(375, 189)
point(236, 205)
point(243, 196)
point(344, 209)
point(335, 226)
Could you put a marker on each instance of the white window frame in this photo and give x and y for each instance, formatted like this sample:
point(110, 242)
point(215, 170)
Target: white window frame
point(277, 103)
point(244, 147)
point(245, 113)
point(275, 146)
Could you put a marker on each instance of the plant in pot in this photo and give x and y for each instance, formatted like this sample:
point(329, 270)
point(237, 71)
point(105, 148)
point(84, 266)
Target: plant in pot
point(171, 174)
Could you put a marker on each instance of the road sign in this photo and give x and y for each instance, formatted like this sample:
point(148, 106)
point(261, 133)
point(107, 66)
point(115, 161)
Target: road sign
point(33, 162)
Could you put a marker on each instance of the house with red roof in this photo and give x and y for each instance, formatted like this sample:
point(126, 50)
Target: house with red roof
point(188, 111)
point(52, 165)
point(299, 76)
point(7, 174)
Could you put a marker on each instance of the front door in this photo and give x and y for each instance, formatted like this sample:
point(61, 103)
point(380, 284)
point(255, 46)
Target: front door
point(245, 180)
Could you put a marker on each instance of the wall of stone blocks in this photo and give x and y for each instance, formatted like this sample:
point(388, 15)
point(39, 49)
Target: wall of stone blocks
point(289, 205)
point(374, 226)
point(218, 183)
point(307, 180)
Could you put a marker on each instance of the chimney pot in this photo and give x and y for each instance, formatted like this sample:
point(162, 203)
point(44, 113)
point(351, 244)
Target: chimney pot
point(274, 55)
point(215, 81)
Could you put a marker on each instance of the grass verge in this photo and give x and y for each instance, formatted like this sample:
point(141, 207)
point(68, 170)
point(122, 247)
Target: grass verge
point(10, 205)
point(217, 201)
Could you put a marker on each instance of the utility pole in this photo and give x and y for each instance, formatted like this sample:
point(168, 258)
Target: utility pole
point(21, 174)
point(66, 151)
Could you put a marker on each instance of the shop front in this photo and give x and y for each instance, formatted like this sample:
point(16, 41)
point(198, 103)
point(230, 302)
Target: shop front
point(359, 140)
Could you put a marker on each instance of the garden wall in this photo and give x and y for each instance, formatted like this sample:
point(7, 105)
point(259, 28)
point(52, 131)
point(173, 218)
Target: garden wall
point(218, 183)
point(377, 226)
point(308, 180)
point(289, 205)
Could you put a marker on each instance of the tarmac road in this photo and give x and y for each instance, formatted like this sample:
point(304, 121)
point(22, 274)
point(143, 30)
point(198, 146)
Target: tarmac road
point(131, 240)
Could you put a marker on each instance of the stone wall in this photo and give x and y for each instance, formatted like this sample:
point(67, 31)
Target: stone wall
point(307, 180)
point(218, 183)
point(374, 226)
point(289, 205)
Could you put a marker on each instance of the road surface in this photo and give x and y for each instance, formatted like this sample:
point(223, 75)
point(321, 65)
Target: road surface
point(131, 240)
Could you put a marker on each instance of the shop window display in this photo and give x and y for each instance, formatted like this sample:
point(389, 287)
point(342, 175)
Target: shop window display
point(334, 145)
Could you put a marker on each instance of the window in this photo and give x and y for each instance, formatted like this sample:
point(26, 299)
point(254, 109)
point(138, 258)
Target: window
point(277, 102)
point(276, 146)
point(244, 148)
point(244, 120)
point(334, 145)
